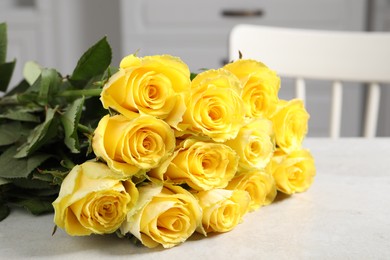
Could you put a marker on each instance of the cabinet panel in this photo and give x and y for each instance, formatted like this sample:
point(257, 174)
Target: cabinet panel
point(215, 15)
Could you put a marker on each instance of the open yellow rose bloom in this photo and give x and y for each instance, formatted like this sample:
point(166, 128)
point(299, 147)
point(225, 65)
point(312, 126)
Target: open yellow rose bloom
point(179, 155)
point(93, 200)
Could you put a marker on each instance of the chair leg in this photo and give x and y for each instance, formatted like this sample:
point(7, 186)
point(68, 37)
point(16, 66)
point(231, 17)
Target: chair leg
point(372, 110)
point(337, 101)
point(300, 89)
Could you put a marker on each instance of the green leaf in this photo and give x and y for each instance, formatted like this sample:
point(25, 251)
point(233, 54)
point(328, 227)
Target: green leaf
point(6, 70)
point(10, 133)
point(40, 135)
point(21, 87)
point(43, 90)
point(93, 62)
point(4, 211)
point(70, 120)
point(20, 115)
point(11, 167)
point(31, 71)
point(4, 181)
point(52, 191)
point(193, 75)
point(53, 176)
point(48, 84)
point(3, 42)
point(32, 184)
point(36, 206)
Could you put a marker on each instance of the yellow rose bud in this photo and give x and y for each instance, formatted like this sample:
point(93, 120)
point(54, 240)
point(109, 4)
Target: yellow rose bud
point(165, 215)
point(152, 85)
point(93, 200)
point(131, 145)
point(293, 172)
point(222, 209)
point(215, 108)
point(254, 144)
point(261, 87)
point(290, 124)
point(201, 165)
point(259, 184)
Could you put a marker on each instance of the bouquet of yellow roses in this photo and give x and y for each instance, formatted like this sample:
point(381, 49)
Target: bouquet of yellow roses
point(177, 153)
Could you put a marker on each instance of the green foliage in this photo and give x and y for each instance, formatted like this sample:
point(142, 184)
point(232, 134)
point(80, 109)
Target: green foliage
point(31, 72)
point(39, 136)
point(6, 72)
point(6, 68)
point(3, 42)
point(47, 121)
point(70, 120)
point(12, 167)
point(10, 133)
point(36, 206)
point(94, 61)
point(4, 211)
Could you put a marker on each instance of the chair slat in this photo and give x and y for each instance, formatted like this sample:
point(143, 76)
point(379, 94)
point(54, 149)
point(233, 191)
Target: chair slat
point(335, 120)
point(372, 110)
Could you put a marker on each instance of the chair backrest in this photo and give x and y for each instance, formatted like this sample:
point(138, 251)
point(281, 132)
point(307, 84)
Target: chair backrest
point(326, 55)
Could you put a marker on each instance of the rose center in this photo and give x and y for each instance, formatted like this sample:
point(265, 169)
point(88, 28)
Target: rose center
point(206, 164)
point(170, 223)
point(152, 92)
point(259, 101)
point(255, 147)
point(107, 210)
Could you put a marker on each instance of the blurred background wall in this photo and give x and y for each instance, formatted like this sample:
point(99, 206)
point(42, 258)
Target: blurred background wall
point(56, 32)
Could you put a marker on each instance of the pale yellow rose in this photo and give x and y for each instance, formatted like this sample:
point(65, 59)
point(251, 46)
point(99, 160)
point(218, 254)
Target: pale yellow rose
point(130, 146)
point(254, 144)
point(222, 209)
point(261, 87)
point(93, 201)
point(201, 165)
point(152, 85)
point(165, 215)
point(214, 108)
point(259, 184)
point(293, 172)
point(290, 124)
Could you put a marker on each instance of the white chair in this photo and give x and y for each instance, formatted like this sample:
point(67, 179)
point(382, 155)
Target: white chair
point(324, 55)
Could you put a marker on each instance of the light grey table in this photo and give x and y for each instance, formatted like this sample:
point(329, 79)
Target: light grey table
point(344, 215)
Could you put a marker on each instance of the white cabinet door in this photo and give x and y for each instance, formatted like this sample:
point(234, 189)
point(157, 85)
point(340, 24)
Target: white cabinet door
point(29, 33)
point(55, 33)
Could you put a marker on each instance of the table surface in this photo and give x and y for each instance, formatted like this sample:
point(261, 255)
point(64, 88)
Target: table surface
point(344, 215)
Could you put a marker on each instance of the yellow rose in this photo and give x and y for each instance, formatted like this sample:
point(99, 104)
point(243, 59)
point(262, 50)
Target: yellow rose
point(290, 124)
point(222, 209)
point(259, 184)
point(165, 215)
point(133, 145)
point(201, 165)
point(93, 200)
point(293, 172)
point(215, 108)
point(261, 87)
point(254, 144)
point(152, 85)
